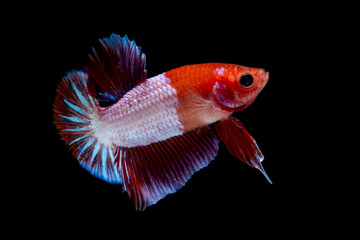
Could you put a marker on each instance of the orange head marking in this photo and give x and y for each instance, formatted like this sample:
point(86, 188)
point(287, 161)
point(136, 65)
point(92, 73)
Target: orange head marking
point(236, 87)
point(211, 92)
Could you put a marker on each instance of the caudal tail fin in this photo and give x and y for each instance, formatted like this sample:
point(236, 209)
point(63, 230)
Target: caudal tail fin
point(74, 111)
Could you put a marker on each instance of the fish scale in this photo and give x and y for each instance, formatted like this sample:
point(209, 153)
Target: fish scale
point(122, 122)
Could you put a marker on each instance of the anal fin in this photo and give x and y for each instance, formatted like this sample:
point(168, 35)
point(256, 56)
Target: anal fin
point(240, 143)
point(151, 172)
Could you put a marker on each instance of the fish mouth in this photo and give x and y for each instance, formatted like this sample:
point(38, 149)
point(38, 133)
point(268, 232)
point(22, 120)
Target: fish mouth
point(265, 76)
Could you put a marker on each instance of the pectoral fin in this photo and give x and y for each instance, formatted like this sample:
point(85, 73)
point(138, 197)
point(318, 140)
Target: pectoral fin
point(240, 143)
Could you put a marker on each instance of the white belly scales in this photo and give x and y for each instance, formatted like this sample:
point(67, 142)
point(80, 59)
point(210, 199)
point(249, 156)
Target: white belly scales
point(145, 115)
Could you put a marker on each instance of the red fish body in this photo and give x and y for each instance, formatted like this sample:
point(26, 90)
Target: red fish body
point(155, 135)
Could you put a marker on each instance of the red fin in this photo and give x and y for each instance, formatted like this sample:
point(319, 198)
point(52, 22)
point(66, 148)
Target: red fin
point(240, 143)
point(151, 172)
point(117, 67)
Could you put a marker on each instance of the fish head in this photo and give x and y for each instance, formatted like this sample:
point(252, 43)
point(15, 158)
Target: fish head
point(236, 87)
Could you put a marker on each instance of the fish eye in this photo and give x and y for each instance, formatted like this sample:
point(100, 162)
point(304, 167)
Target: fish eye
point(246, 80)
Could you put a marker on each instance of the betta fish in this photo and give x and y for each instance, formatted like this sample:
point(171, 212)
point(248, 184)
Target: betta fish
point(152, 134)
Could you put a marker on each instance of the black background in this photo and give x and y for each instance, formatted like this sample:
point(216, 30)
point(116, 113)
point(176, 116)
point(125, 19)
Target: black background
point(227, 196)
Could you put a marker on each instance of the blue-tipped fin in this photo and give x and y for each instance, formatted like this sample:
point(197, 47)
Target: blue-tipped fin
point(73, 108)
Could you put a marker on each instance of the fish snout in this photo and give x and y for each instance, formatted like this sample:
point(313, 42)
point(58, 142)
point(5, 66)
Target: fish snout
point(264, 77)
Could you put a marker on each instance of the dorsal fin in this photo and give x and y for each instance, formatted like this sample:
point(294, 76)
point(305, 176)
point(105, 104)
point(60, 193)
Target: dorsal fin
point(115, 68)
